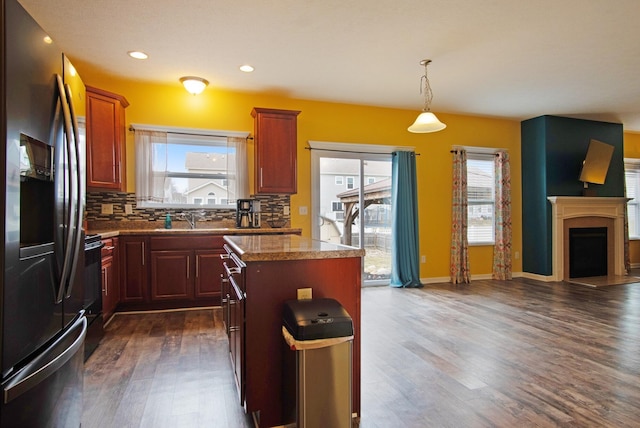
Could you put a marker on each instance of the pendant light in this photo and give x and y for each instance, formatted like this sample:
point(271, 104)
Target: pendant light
point(426, 121)
point(194, 85)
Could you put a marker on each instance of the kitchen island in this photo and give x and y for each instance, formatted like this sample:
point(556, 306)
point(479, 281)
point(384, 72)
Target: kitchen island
point(266, 271)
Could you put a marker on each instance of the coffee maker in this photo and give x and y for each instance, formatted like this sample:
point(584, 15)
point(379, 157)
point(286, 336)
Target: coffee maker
point(248, 213)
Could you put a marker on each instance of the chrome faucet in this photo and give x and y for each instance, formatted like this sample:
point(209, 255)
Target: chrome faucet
point(191, 217)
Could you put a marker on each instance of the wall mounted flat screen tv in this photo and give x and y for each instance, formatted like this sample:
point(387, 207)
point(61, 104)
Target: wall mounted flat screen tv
point(596, 163)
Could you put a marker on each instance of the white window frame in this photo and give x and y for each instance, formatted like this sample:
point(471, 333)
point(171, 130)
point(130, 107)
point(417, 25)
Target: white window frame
point(213, 137)
point(481, 154)
point(339, 180)
point(351, 183)
point(632, 168)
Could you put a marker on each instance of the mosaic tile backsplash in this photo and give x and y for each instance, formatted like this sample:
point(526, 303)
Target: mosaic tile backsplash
point(272, 208)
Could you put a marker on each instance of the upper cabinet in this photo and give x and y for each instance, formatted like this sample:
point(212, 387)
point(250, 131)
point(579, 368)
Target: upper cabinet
point(276, 141)
point(106, 133)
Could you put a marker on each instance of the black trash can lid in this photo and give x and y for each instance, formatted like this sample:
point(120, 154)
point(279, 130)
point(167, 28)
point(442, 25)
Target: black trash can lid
point(313, 319)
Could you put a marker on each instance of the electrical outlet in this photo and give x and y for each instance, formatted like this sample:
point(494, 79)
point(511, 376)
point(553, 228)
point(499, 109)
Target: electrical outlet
point(304, 293)
point(302, 210)
point(128, 209)
point(286, 210)
point(517, 255)
point(423, 259)
point(107, 208)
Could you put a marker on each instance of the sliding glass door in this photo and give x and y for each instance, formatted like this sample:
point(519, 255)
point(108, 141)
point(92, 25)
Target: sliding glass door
point(352, 206)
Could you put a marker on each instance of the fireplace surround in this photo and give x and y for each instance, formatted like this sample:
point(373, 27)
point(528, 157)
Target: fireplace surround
point(587, 212)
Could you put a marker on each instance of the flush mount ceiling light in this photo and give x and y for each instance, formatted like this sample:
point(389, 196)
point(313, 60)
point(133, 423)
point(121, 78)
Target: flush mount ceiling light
point(246, 68)
point(426, 121)
point(137, 54)
point(194, 85)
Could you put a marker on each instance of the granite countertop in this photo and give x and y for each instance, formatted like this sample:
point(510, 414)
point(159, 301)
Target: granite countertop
point(287, 247)
point(111, 229)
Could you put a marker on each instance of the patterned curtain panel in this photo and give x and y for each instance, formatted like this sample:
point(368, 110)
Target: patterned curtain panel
point(502, 247)
point(459, 266)
point(405, 258)
point(627, 255)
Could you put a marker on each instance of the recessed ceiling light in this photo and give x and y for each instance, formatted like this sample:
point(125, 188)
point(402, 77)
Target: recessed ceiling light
point(246, 68)
point(138, 54)
point(48, 40)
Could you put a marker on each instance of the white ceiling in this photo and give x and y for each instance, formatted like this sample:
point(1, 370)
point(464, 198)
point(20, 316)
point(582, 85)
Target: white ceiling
point(500, 58)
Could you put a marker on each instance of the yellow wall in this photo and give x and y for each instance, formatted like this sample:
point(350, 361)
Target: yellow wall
point(632, 150)
point(215, 108)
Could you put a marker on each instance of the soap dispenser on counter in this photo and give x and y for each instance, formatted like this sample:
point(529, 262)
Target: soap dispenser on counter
point(167, 221)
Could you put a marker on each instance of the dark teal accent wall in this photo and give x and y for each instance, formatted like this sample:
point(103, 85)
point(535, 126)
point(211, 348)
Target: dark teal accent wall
point(553, 149)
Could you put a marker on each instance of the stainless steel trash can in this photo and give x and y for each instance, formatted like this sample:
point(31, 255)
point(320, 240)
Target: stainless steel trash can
point(321, 333)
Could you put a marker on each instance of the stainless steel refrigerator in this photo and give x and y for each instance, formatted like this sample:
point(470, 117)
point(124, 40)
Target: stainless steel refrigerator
point(42, 323)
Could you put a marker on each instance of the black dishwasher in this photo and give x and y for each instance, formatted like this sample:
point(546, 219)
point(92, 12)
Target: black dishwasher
point(93, 293)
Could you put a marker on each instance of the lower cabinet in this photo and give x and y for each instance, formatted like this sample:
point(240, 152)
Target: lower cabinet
point(207, 273)
point(110, 274)
point(185, 268)
point(171, 270)
point(133, 269)
point(171, 275)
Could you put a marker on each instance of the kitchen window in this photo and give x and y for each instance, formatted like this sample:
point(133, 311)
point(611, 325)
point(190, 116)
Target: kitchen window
point(186, 168)
point(632, 182)
point(480, 198)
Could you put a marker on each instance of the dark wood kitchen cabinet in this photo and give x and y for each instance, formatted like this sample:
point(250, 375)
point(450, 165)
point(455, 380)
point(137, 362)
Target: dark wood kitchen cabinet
point(171, 275)
point(106, 134)
point(268, 272)
point(134, 259)
point(276, 150)
point(110, 275)
point(186, 269)
point(207, 275)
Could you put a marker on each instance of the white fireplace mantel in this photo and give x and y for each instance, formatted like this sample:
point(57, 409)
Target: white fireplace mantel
point(568, 207)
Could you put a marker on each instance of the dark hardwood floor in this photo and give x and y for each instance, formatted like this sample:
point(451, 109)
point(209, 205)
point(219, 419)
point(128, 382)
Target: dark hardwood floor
point(157, 370)
point(501, 354)
point(489, 354)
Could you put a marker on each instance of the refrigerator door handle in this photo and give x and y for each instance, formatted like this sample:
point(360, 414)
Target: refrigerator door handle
point(46, 363)
point(76, 175)
point(68, 242)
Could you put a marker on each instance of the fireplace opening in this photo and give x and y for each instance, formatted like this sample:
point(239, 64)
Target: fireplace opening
point(587, 252)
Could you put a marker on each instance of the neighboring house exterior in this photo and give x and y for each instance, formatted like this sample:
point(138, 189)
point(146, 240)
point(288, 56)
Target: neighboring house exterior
point(209, 191)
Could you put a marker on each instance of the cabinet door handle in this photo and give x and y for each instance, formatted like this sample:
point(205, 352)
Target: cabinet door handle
point(260, 176)
point(188, 268)
point(106, 281)
point(197, 266)
point(143, 253)
point(109, 248)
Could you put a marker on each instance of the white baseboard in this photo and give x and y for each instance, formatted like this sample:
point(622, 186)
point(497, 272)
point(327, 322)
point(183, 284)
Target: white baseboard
point(537, 277)
point(478, 277)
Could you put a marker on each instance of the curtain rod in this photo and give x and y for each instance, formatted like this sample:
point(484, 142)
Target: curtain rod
point(458, 151)
point(132, 129)
point(361, 153)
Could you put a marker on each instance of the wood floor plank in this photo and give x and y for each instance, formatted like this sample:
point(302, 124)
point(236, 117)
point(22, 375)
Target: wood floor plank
point(487, 354)
point(502, 353)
